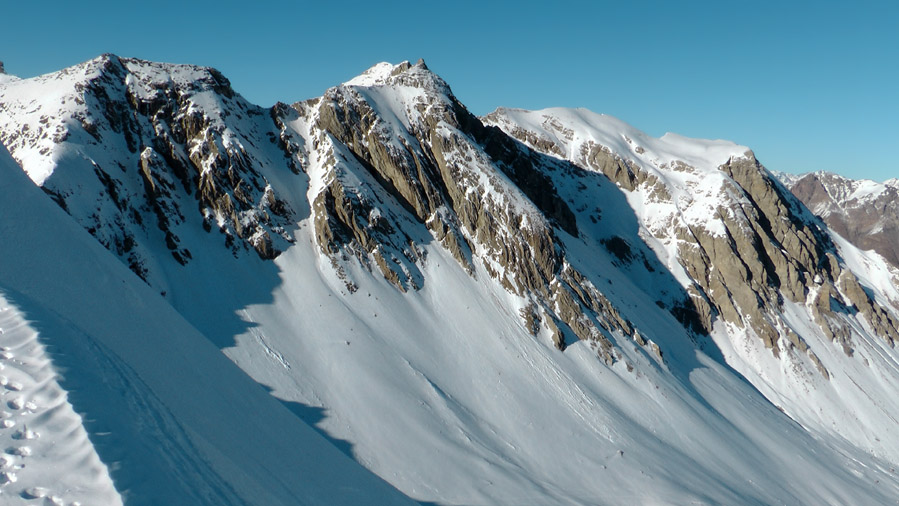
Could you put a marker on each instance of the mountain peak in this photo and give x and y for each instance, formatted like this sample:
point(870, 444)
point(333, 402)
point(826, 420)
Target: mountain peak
point(400, 74)
point(377, 74)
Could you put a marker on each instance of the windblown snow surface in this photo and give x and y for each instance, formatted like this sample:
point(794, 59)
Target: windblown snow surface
point(173, 421)
point(441, 392)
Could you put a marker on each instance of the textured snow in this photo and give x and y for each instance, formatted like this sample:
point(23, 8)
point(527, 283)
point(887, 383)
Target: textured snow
point(174, 421)
point(47, 448)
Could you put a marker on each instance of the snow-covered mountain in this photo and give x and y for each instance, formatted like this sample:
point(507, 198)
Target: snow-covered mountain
point(864, 212)
point(533, 307)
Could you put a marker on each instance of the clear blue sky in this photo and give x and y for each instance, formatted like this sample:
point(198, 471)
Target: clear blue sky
point(807, 85)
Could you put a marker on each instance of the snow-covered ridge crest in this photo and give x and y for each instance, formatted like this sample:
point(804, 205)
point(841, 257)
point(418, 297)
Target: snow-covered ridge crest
point(400, 74)
point(572, 128)
point(686, 168)
point(376, 75)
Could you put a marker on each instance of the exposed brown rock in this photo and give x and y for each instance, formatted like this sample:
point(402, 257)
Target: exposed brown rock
point(429, 171)
point(771, 250)
point(869, 221)
point(178, 151)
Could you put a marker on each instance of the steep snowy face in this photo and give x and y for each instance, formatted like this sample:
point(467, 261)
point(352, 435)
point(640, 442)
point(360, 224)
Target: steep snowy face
point(756, 262)
point(740, 242)
point(397, 161)
point(137, 152)
point(864, 212)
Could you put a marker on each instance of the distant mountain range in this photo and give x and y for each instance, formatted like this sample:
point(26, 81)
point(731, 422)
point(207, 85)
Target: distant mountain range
point(421, 305)
point(864, 212)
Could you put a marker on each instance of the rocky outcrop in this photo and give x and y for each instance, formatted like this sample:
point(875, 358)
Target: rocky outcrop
point(167, 143)
point(351, 219)
point(479, 193)
point(754, 248)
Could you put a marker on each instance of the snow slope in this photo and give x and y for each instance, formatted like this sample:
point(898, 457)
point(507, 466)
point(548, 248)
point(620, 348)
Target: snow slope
point(856, 401)
point(173, 419)
point(47, 452)
point(449, 371)
point(444, 394)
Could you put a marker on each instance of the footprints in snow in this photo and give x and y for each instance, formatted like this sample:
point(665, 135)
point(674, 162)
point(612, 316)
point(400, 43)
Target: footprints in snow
point(15, 385)
point(46, 457)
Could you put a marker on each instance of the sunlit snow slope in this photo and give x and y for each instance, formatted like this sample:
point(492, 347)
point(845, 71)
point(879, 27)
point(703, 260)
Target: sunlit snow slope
point(556, 309)
point(682, 197)
point(47, 453)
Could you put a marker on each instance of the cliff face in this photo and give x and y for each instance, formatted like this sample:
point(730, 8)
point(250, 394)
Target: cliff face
point(745, 243)
point(398, 133)
point(135, 150)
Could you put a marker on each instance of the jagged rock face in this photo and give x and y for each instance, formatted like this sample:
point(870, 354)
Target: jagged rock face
point(744, 243)
point(864, 212)
point(398, 133)
point(162, 144)
point(141, 153)
point(393, 161)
